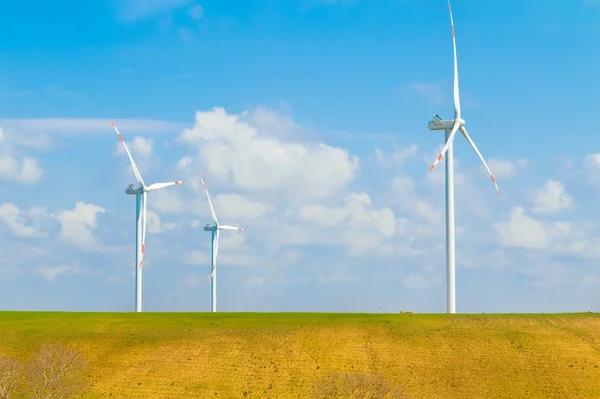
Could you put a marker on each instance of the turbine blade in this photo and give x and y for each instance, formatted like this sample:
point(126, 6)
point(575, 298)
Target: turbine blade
point(456, 91)
point(463, 130)
point(212, 209)
point(158, 186)
point(226, 227)
point(215, 252)
point(144, 200)
point(448, 143)
point(136, 172)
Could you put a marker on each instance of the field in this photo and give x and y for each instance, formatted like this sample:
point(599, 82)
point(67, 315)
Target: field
point(257, 355)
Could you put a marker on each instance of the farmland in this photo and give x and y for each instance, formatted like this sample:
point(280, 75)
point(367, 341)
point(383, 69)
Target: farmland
point(280, 355)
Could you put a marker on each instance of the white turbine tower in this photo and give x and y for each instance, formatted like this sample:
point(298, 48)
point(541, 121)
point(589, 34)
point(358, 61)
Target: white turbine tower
point(141, 194)
point(215, 247)
point(451, 127)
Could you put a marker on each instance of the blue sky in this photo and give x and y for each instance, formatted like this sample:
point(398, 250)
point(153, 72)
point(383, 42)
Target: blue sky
point(308, 120)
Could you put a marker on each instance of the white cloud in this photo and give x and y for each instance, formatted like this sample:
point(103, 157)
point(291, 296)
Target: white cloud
point(77, 225)
point(552, 198)
point(362, 214)
point(193, 280)
point(591, 164)
point(407, 198)
point(38, 212)
point(165, 201)
point(155, 226)
point(233, 251)
point(194, 223)
point(361, 226)
point(184, 163)
point(504, 168)
point(592, 160)
point(291, 208)
point(231, 241)
point(12, 217)
point(269, 122)
point(236, 207)
point(322, 215)
point(25, 170)
point(139, 146)
point(397, 158)
point(419, 281)
point(70, 127)
point(590, 279)
point(432, 92)
point(234, 151)
point(50, 273)
point(135, 10)
point(522, 231)
point(196, 257)
point(309, 4)
point(337, 278)
point(196, 12)
point(30, 171)
point(15, 167)
point(141, 149)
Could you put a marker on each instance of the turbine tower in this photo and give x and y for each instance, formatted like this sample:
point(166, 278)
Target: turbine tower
point(141, 194)
point(451, 127)
point(215, 247)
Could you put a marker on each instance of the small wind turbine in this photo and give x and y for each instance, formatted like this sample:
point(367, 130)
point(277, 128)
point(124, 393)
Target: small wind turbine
point(215, 247)
point(140, 217)
point(451, 127)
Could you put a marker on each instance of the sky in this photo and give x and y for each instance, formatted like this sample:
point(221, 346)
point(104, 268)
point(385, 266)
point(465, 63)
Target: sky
point(308, 121)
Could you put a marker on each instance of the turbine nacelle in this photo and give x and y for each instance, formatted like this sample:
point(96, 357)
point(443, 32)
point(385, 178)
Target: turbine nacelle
point(440, 124)
point(133, 190)
point(208, 227)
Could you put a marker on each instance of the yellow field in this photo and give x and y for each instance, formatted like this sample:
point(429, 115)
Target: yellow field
point(185, 355)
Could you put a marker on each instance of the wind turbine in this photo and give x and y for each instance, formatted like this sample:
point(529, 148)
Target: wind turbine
point(141, 194)
point(451, 127)
point(215, 247)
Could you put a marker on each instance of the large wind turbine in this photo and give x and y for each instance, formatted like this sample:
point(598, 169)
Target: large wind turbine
point(141, 194)
point(451, 127)
point(215, 247)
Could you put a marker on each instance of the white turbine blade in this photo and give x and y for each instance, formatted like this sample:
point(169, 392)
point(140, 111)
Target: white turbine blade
point(456, 91)
point(215, 252)
point(158, 186)
point(136, 172)
point(463, 130)
point(212, 209)
point(144, 199)
point(226, 227)
point(450, 139)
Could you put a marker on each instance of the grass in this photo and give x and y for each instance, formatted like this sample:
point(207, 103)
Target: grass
point(261, 355)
